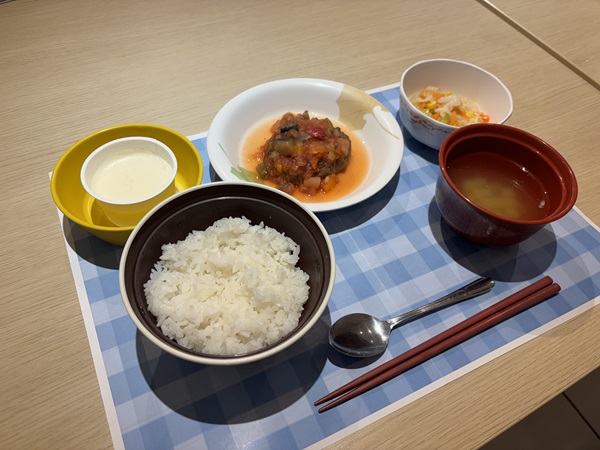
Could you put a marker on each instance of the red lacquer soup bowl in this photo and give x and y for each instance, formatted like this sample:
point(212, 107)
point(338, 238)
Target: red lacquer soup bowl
point(500, 185)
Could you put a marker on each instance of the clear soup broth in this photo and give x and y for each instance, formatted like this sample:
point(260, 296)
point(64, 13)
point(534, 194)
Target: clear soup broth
point(499, 185)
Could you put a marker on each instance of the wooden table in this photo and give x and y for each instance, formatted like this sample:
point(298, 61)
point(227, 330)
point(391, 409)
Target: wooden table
point(68, 68)
point(566, 30)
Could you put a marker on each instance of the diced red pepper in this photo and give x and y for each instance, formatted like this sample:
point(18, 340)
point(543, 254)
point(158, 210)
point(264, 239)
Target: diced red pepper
point(316, 132)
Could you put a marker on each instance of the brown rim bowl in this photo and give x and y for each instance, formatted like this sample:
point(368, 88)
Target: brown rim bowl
point(196, 209)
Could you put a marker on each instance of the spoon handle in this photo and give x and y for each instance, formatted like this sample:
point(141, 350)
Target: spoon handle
point(474, 289)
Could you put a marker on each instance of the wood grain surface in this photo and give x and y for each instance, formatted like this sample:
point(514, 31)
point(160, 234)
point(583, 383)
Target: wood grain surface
point(567, 28)
point(70, 67)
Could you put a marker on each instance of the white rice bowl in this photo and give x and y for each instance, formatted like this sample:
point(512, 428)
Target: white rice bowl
point(229, 290)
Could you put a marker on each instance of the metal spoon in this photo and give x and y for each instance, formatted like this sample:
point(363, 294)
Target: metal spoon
point(362, 335)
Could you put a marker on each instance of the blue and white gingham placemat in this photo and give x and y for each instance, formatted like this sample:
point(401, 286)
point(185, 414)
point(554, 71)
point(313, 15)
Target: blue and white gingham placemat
point(393, 253)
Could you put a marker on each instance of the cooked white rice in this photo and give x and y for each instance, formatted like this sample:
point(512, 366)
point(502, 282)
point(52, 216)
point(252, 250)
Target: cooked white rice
point(231, 289)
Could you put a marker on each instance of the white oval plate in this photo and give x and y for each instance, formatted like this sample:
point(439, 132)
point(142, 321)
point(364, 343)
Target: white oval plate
point(357, 110)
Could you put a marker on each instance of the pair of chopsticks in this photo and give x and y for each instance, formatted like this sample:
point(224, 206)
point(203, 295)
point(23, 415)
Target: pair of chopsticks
point(493, 315)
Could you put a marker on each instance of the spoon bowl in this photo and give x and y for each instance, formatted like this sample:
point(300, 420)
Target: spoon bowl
point(362, 335)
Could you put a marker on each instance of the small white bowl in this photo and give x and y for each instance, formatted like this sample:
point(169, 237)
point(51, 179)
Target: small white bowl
point(462, 78)
point(366, 117)
point(129, 176)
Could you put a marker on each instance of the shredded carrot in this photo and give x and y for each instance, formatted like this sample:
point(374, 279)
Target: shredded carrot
point(453, 119)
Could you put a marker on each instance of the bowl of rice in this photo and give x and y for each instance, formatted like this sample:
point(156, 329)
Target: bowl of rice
point(227, 273)
point(438, 96)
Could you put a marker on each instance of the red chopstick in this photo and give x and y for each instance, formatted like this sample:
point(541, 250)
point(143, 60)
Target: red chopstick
point(504, 309)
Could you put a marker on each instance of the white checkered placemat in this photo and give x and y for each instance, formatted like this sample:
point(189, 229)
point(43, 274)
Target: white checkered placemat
point(393, 253)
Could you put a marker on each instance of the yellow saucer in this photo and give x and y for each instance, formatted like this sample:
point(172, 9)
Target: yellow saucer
point(76, 204)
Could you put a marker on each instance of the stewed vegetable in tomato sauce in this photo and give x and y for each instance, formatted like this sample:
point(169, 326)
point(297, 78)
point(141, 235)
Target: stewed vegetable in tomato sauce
point(304, 153)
